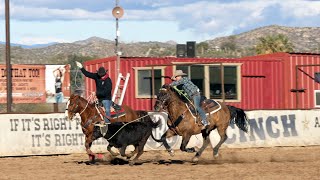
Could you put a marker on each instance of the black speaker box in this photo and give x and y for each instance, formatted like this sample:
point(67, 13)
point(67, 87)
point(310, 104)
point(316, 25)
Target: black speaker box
point(317, 77)
point(191, 49)
point(181, 50)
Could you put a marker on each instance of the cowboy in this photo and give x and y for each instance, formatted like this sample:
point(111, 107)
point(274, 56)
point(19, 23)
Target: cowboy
point(103, 87)
point(192, 91)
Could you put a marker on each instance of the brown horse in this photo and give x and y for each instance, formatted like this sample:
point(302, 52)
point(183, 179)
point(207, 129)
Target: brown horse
point(182, 122)
point(91, 115)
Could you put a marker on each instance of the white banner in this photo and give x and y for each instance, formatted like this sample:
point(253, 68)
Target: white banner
point(275, 128)
point(41, 134)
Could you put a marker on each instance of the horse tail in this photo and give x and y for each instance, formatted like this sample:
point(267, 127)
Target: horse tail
point(156, 140)
point(240, 117)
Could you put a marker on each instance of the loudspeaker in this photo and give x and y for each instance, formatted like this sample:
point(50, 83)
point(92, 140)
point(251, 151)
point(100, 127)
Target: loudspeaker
point(191, 49)
point(181, 50)
point(317, 77)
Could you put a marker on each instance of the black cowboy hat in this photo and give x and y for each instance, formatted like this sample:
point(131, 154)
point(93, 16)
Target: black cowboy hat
point(101, 71)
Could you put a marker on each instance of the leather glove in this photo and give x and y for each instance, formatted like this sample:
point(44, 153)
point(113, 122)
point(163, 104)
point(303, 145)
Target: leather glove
point(79, 64)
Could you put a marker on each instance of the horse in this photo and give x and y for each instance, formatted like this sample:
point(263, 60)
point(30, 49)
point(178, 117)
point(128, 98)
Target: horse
point(91, 117)
point(182, 122)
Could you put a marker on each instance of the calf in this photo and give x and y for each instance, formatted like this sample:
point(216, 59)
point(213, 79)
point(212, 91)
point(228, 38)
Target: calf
point(121, 135)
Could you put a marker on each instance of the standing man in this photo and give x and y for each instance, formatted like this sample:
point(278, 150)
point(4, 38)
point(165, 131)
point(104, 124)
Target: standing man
point(192, 91)
point(103, 87)
point(59, 77)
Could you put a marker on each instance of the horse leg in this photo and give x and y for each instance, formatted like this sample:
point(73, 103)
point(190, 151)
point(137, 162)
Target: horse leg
point(185, 141)
point(88, 144)
point(164, 137)
point(206, 141)
point(223, 138)
point(112, 152)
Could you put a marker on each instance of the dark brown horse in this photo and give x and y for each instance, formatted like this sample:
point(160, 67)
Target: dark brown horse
point(182, 122)
point(91, 116)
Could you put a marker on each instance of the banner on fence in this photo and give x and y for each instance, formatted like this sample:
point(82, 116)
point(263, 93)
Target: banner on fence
point(41, 134)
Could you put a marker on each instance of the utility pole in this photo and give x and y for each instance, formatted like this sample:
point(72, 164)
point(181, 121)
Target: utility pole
point(8, 62)
point(117, 12)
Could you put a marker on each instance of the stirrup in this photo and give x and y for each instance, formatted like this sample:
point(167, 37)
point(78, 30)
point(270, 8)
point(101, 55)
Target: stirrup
point(104, 130)
point(100, 125)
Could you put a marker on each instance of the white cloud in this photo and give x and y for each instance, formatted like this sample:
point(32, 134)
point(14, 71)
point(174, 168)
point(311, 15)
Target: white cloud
point(203, 18)
point(30, 14)
point(40, 40)
point(302, 9)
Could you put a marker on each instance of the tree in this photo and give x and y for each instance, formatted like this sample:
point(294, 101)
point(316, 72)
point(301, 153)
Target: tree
point(271, 44)
point(230, 44)
point(76, 78)
point(202, 48)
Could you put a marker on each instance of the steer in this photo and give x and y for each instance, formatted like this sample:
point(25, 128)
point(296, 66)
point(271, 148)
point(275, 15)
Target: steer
point(135, 133)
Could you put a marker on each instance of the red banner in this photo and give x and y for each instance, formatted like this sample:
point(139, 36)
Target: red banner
point(28, 84)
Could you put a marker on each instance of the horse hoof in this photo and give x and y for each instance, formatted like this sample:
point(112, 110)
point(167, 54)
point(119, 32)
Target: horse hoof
point(171, 152)
point(195, 159)
point(216, 155)
point(191, 150)
point(91, 157)
point(131, 163)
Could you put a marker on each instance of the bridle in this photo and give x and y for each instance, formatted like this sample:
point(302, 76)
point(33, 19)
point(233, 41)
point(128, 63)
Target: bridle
point(75, 109)
point(161, 100)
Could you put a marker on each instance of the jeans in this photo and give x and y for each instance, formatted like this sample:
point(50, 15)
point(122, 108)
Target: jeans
point(196, 101)
point(59, 97)
point(107, 105)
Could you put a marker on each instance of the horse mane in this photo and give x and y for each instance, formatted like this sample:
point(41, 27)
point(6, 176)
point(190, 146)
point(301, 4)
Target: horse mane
point(178, 94)
point(83, 99)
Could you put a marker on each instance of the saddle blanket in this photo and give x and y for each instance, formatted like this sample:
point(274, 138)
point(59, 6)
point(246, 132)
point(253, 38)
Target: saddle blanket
point(118, 113)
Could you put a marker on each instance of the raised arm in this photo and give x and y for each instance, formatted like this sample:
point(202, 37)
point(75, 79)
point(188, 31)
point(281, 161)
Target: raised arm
point(85, 72)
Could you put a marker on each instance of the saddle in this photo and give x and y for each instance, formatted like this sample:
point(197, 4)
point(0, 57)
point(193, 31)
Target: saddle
point(116, 112)
point(206, 104)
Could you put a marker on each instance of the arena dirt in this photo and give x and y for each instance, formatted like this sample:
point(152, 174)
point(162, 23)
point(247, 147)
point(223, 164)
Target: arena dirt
point(252, 163)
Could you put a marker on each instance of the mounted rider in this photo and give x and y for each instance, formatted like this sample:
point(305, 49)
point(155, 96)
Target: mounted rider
point(192, 91)
point(103, 87)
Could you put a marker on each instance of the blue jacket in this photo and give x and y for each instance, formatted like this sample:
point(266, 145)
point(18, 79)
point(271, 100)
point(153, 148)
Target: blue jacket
point(188, 86)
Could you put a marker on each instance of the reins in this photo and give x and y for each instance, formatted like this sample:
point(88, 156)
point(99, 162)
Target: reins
point(90, 97)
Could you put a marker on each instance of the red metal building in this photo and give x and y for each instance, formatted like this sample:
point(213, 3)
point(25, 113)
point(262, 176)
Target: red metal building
point(276, 81)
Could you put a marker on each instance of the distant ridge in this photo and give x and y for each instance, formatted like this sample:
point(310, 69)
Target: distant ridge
point(304, 39)
point(31, 46)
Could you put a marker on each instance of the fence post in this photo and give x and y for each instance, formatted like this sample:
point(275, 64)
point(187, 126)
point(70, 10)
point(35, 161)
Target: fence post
point(55, 107)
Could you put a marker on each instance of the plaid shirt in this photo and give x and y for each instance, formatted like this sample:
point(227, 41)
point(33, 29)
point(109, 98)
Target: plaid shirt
point(188, 86)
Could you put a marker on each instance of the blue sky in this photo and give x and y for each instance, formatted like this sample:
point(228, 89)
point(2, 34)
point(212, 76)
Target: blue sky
point(43, 21)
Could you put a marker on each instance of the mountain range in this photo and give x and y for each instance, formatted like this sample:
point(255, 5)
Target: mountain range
point(304, 39)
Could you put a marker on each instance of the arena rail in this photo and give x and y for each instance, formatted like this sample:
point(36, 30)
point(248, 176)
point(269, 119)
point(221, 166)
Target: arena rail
point(45, 134)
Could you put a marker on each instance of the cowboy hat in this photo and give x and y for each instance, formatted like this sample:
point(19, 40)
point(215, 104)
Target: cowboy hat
point(178, 73)
point(101, 71)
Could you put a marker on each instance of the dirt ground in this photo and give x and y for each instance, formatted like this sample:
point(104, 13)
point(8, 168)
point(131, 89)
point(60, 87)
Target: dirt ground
point(251, 163)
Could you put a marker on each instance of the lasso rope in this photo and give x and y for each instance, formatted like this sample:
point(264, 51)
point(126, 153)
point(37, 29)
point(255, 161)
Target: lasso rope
point(89, 98)
point(75, 81)
point(181, 93)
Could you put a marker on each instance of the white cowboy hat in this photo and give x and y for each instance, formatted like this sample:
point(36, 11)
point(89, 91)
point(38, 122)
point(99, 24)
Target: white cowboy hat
point(178, 73)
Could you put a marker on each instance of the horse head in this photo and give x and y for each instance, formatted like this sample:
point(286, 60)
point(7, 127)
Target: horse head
point(73, 106)
point(163, 98)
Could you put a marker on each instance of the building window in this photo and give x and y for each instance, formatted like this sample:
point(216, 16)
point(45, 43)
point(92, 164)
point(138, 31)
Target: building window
point(195, 73)
point(144, 82)
point(230, 82)
point(208, 79)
